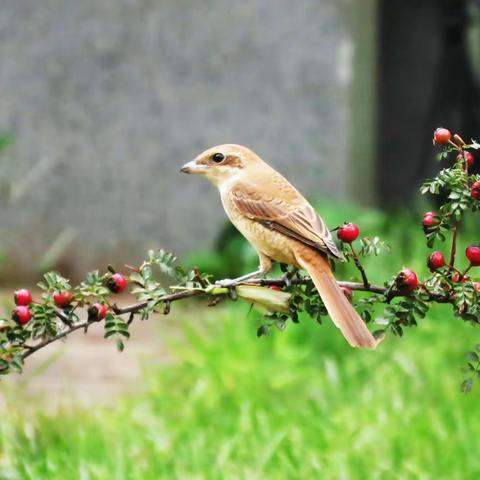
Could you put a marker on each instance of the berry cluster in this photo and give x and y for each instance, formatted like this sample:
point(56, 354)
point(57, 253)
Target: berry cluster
point(21, 313)
point(446, 284)
point(406, 281)
point(462, 190)
point(65, 299)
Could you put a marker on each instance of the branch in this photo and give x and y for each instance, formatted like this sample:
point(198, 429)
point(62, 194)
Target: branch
point(360, 268)
point(266, 282)
point(454, 247)
point(48, 341)
point(211, 291)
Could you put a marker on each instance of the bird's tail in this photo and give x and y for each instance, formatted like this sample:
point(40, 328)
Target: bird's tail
point(339, 308)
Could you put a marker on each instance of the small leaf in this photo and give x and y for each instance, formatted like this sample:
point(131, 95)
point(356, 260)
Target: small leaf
point(467, 385)
point(263, 330)
point(473, 356)
point(120, 345)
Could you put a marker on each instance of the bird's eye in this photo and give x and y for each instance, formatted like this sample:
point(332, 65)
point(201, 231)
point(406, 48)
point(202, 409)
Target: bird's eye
point(218, 157)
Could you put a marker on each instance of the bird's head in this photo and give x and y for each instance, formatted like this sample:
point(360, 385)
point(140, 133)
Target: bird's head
point(222, 163)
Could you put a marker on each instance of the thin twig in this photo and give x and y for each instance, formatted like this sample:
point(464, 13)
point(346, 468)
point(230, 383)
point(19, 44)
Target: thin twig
point(61, 315)
point(464, 273)
point(454, 247)
point(46, 342)
point(360, 268)
point(198, 277)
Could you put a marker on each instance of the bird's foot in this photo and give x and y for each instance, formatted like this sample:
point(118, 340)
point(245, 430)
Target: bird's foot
point(231, 282)
point(287, 279)
point(226, 282)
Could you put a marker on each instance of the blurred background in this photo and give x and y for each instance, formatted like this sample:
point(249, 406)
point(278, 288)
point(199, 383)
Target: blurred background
point(101, 102)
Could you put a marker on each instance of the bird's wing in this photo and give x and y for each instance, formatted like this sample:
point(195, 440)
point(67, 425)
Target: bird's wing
point(280, 207)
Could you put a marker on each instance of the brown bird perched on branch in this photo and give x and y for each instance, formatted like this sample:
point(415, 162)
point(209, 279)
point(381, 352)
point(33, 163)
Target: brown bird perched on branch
point(281, 225)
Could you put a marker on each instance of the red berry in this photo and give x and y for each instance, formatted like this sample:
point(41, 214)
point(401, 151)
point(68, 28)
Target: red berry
point(63, 299)
point(436, 260)
point(22, 297)
point(406, 281)
point(441, 136)
point(97, 312)
point(348, 233)
point(473, 254)
point(475, 190)
point(21, 315)
point(467, 156)
point(430, 219)
point(276, 288)
point(117, 283)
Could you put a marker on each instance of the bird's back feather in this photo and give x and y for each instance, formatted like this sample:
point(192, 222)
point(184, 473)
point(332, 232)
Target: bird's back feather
point(269, 198)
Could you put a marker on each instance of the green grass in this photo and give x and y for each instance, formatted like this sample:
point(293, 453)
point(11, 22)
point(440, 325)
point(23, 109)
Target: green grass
point(299, 404)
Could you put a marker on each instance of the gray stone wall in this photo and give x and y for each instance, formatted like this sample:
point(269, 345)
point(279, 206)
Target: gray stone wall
point(105, 100)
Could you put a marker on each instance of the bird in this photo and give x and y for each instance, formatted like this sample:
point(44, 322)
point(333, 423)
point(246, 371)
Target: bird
point(281, 225)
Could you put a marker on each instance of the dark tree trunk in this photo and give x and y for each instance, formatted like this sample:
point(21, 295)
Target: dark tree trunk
point(425, 81)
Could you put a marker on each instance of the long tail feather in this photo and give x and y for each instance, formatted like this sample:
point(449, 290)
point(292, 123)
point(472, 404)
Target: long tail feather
point(339, 308)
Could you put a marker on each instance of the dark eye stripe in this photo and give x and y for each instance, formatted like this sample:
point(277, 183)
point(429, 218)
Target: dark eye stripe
point(218, 157)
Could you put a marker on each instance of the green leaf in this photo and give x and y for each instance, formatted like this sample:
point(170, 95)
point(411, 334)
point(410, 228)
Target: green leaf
point(263, 330)
point(397, 329)
point(44, 321)
point(93, 285)
point(473, 356)
point(373, 246)
point(120, 345)
point(53, 281)
point(467, 385)
point(115, 326)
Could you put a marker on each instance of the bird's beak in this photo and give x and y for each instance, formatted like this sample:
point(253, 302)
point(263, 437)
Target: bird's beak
point(194, 167)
